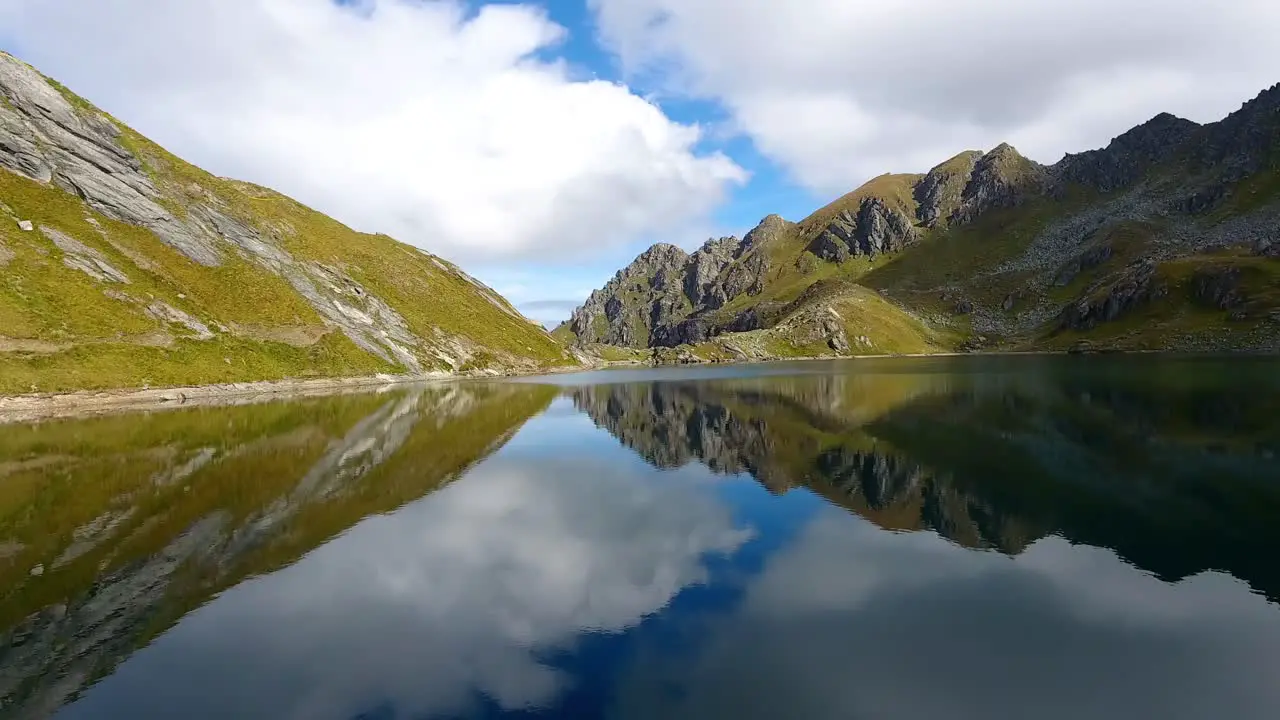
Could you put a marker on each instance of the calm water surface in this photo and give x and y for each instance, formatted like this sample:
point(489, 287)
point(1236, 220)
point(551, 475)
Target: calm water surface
point(1073, 537)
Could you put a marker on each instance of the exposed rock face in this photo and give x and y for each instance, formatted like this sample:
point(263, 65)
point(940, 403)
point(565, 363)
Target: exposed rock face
point(1217, 287)
point(78, 256)
point(43, 137)
point(875, 229)
point(941, 191)
point(623, 312)
point(1134, 288)
point(703, 271)
point(1245, 141)
point(655, 301)
point(1124, 161)
point(1002, 178)
point(770, 228)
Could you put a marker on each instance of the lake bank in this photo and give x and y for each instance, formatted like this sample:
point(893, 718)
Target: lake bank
point(80, 403)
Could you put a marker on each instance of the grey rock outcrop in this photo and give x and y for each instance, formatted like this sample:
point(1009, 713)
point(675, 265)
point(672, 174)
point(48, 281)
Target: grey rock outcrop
point(78, 256)
point(1002, 178)
point(1087, 260)
point(941, 191)
point(767, 230)
point(1124, 161)
point(659, 298)
point(1134, 288)
point(647, 293)
point(1243, 142)
point(1217, 287)
point(873, 230)
point(704, 268)
point(169, 314)
point(44, 137)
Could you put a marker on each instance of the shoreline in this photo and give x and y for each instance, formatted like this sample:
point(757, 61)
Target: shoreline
point(88, 403)
point(61, 405)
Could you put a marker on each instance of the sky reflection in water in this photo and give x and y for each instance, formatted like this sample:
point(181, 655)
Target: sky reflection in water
point(1057, 545)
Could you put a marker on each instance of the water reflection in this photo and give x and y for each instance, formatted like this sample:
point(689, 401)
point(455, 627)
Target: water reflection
point(980, 538)
point(1178, 476)
point(119, 526)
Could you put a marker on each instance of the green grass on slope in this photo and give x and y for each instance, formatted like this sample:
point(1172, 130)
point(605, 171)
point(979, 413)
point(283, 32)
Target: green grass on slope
point(896, 190)
point(431, 294)
point(563, 334)
point(963, 255)
point(791, 268)
point(186, 362)
point(1178, 320)
point(95, 341)
point(86, 339)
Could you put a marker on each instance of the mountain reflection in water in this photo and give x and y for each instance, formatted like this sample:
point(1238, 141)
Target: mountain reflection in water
point(1047, 537)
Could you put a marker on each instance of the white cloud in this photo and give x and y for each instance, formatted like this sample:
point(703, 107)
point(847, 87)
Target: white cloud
point(838, 91)
point(850, 621)
point(465, 592)
point(410, 117)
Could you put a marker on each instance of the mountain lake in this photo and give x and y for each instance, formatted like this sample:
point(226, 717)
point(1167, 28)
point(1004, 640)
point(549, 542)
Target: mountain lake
point(967, 537)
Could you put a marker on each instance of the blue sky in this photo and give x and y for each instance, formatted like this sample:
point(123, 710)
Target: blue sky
point(543, 144)
point(548, 292)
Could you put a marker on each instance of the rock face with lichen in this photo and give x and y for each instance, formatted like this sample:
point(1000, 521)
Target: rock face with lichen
point(98, 194)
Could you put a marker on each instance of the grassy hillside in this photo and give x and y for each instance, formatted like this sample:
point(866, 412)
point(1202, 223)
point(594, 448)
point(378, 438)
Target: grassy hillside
point(92, 298)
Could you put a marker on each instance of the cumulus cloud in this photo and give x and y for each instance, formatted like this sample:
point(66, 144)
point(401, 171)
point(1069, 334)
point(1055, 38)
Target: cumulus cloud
point(417, 613)
point(448, 129)
point(838, 91)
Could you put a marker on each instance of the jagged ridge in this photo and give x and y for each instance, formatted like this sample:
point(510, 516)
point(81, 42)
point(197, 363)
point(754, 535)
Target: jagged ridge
point(995, 250)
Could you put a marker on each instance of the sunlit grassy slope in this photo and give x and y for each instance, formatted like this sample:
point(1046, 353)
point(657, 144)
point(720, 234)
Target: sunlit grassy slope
point(61, 329)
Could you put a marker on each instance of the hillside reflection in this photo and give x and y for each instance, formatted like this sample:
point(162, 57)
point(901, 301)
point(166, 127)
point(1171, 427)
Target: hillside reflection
point(112, 529)
point(1177, 476)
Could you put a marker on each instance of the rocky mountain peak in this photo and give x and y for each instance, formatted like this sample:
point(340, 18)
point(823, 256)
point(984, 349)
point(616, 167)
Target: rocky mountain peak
point(769, 227)
point(939, 193)
point(1129, 155)
point(1241, 143)
point(662, 254)
point(1001, 178)
point(874, 228)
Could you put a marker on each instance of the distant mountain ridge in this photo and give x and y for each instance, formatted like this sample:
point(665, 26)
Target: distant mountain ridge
point(121, 265)
point(1173, 226)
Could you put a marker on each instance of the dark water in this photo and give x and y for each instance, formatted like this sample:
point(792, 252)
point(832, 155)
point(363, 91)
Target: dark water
point(970, 538)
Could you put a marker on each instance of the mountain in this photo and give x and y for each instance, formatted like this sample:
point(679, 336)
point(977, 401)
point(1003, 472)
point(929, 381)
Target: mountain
point(123, 266)
point(1168, 238)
